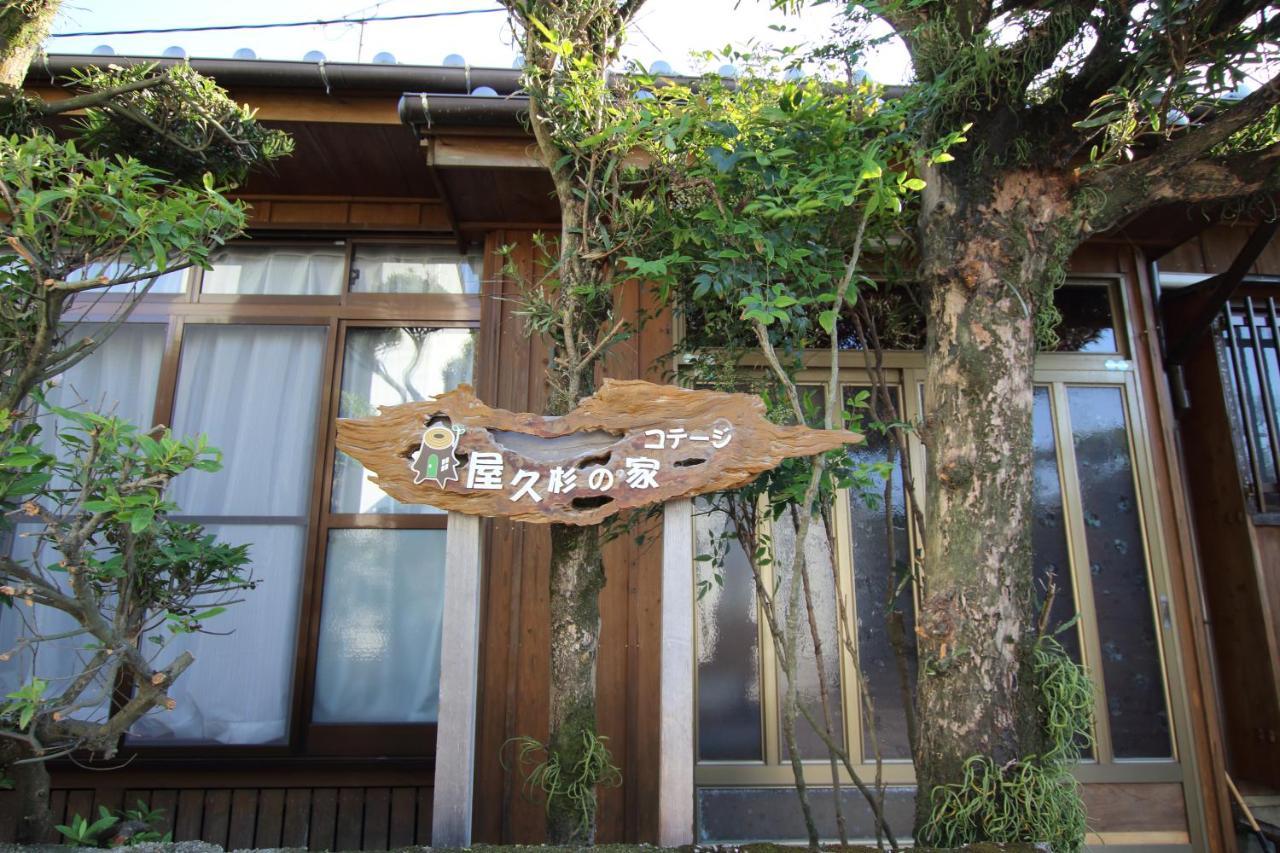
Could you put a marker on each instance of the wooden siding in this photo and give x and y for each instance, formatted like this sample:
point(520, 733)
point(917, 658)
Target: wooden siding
point(514, 696)
point(1241, 569)
point(347, 818)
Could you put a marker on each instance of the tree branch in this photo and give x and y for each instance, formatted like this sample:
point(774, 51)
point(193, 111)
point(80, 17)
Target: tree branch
point(1180, 171)
point(94, 99)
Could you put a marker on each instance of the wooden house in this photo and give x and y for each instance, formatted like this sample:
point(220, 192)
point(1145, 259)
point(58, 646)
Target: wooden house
point(372, 276)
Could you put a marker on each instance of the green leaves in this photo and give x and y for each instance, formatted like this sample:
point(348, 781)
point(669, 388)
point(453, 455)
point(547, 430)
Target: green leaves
point(85, 834)
point(25, 702)
point(185, 126)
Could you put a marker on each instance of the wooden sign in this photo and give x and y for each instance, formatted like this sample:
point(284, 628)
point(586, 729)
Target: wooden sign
point(631, 444)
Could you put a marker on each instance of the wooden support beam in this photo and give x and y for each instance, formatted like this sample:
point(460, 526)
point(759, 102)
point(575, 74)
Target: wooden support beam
point(1214, 293)
point(459, 665)
point(496, 152)
point(675, 696)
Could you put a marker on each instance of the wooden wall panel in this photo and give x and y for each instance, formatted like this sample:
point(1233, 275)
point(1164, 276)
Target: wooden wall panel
point(1201, 748)
point(516, 640)
point(1267, 538)
point(1245, 671)
point(347, 213)
point(1135, 807)
point(352, 818)
point(1212, 250)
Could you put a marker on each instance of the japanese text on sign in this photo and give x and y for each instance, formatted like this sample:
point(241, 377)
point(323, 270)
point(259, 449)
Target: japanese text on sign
point(488, 470)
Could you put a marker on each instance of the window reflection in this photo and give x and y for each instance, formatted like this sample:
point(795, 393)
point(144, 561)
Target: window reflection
point(875, 579)
point(386, 367)
point(414, 269)
point(1087, 324)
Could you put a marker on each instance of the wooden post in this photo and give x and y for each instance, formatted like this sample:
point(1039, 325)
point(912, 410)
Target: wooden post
point(676, 700)
point(459, 665)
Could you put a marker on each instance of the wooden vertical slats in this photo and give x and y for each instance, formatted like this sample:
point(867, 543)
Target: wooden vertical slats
point(189, 819)
point(133, 798)
point(244, 816)
point(217, 816)
point(58, 806)
point(612, 662)
point(516, 639)
point(295, 828)
point(377, 817)
point(350, 828)
point(324, 817)
point(78, 803)
point(426, 800)
point(165, 802)
point(110, 798)
point(403, 818)
point(270, 818)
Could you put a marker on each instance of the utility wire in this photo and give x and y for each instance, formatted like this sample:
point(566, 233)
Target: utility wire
point(316, 23)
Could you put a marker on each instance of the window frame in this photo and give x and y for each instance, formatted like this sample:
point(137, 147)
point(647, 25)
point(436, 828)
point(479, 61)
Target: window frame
point(1232, 354)
point(305, 741)
point(1056, 371)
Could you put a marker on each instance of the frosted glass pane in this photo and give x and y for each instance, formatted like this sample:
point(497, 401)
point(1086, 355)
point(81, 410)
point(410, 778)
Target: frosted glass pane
point(238, 689)
point(818, 555)
point(729, 727)
point(379, 653)
point(291, 271)
point(414, 269)
point(254, 391)
point(1131, 666)
point(874, 580)
point(384, 367)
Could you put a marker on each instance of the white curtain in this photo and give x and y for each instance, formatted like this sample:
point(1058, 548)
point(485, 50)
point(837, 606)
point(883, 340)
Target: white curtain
point(59, 661)
point(118, 378)
point(414, 269)
point(238, 689)
point(255, 391)
point(167, 282)
point(276, 270)
point(379, 654)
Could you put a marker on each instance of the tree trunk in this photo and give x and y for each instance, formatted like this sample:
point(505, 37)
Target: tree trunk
point(24, 25)
point(30, 797)
point(988, 263)
point(577, 576)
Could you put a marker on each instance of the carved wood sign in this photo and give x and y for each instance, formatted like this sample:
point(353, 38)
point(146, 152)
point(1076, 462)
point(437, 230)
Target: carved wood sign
point(631, 444)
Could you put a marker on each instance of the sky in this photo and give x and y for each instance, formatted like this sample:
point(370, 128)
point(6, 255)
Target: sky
point(669, 30)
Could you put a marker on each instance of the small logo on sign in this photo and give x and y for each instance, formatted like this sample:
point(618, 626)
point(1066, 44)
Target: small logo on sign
point(435, 459)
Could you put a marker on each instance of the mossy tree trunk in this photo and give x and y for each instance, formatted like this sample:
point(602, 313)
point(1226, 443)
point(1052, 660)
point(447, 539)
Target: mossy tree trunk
point(990, 262)
point(577, 576)
point(30, 798)
point(568, 49)
point(24, 25)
